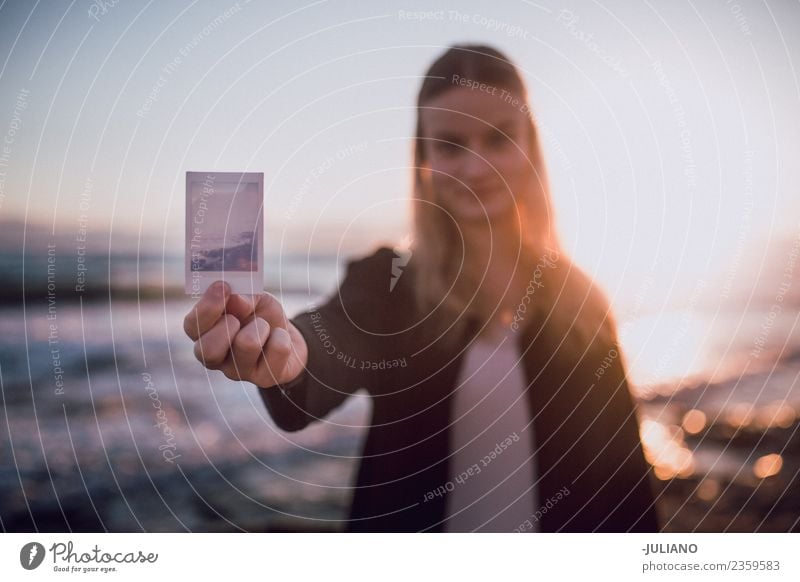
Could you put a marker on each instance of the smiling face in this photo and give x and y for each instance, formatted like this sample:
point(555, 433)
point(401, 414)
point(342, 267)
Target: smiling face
point(475, 148)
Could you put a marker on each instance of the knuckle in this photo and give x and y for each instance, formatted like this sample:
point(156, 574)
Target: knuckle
point(280, 349)
point(251, 339)
point(246, 343)
point(280, 343)
point(202, 310)
point(200, 352)
point(269, 299)
point(208, 353)
point(272, 305)
point(276, 361)
point(231, 322)
point(231, 372)
point(190, 325)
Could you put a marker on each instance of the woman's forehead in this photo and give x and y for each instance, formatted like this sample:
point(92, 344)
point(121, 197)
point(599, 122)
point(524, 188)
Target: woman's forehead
point(471, 109)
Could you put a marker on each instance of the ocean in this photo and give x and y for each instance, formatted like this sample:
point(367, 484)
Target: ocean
point(111, 424)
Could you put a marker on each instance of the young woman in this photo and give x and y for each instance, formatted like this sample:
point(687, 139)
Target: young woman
point(499, 396)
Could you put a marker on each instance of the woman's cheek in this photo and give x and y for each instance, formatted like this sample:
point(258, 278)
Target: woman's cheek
point(518, 174)
point(445, 180)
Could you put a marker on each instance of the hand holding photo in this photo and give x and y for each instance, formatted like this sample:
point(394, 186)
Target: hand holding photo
point(224, 240)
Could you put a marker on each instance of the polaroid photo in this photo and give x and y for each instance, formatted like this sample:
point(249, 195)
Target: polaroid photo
point(224, 231)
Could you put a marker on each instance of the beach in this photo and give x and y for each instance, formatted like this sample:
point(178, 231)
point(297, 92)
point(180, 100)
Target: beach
point(112, 425)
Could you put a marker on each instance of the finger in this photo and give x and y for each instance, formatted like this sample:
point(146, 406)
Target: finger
point(270, 309)
point(272, 362)
point(248, 345)
point(213, 346)
point(207, 311)
point(242, 307)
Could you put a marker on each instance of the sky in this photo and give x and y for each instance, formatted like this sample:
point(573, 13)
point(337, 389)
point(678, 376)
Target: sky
point(671, 129)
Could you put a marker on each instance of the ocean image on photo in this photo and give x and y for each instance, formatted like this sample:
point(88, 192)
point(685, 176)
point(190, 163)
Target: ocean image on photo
point(239, 253)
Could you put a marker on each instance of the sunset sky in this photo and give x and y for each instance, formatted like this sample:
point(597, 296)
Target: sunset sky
point(671, 129)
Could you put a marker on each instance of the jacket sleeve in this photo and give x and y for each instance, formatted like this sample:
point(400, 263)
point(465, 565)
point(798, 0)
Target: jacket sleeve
point(339, 342)
point(627, 493)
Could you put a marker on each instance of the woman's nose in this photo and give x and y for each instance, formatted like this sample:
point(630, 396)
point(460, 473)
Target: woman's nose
point(476, 165)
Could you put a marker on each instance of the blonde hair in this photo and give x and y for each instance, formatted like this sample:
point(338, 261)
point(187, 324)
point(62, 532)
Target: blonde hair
point(566, 297)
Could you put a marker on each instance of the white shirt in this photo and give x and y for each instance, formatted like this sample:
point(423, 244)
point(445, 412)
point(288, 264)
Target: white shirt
point(490, 397)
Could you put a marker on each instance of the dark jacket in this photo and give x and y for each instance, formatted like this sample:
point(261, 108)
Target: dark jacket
point(585, 429)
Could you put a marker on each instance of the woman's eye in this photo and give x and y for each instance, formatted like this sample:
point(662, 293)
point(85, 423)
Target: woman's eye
point(447, 147)
point(498, 139)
